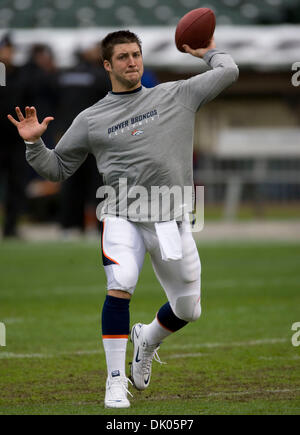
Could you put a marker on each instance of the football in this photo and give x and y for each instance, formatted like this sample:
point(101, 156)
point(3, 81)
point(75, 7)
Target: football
point(195, 29)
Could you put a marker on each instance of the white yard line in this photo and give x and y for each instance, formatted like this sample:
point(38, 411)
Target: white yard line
point(276, 282)
point(231, 344)
point(185, 355)
point(12, 320)
point(11, 355)
point(283, 358)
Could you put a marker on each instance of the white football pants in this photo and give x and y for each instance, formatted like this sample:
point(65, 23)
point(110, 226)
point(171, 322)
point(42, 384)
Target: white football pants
point(124, 245)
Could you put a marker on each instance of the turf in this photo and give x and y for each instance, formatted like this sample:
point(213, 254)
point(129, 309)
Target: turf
point(237, 359)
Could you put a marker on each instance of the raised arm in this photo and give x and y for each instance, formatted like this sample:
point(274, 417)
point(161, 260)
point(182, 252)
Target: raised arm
point(69, 153)
point(204, 87)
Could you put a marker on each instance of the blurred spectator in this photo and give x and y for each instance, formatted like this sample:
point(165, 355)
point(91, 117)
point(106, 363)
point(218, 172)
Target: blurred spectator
point(12, 154)
point(79, 88)
point(39, 80)
point(40, 89)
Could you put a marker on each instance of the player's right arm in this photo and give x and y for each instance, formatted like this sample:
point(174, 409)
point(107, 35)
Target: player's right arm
point(69, 153)
point(204, 87)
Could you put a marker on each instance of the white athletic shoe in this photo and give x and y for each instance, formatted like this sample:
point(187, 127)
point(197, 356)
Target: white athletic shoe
point(143, 355)
point(116, 392)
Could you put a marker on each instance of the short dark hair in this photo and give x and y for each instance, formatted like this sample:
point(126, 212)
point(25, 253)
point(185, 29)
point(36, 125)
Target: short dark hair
point(114, 38)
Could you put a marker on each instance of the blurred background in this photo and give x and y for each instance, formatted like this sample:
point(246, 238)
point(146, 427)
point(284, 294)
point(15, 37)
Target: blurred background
point(247, 141)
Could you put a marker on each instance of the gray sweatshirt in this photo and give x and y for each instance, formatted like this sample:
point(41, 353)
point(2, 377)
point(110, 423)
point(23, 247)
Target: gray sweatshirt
point(143, 138)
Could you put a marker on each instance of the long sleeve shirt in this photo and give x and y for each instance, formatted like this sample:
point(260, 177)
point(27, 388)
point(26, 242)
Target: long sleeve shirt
point(143, 138)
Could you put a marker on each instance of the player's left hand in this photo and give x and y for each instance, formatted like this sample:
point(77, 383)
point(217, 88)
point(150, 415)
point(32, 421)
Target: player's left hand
point(200, 52)
point(29, 127)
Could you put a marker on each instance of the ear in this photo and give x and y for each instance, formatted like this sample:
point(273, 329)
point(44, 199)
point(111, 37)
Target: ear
point(107, 66)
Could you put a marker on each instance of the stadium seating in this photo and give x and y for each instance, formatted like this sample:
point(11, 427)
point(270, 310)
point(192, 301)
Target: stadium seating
point(88, 13)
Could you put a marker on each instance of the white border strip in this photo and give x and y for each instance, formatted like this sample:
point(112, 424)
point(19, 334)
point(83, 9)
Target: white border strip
point(11, 355)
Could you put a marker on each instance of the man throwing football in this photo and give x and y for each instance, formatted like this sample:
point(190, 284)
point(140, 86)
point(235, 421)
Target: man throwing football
point(143, 136)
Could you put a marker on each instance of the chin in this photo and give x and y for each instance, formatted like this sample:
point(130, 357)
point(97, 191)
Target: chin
point(132, 83)
point(127, 83)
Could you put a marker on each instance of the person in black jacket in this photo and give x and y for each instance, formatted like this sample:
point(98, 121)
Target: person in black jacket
point(12, 158)
point(40, 86)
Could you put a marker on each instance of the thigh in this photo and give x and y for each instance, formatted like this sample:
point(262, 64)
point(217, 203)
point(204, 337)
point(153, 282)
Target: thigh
point(123, 253)
point(179, 278)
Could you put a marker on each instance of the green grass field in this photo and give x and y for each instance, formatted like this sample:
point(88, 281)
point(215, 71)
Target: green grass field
point(237, 359)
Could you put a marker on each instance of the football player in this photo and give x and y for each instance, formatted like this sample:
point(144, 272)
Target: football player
point(143, 136)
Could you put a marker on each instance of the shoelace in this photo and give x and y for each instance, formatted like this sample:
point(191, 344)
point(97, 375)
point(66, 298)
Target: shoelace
point(117, 383)
point(150, 353)
point(126, 389)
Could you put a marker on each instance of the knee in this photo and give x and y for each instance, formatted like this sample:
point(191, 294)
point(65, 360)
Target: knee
point(126, 277)
point(122, 278)
point(188, 308)
point(121, 294)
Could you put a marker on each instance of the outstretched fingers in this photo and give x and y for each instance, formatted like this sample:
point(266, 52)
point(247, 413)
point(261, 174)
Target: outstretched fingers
point(19, 114)
point(47, 120)
point(13, 120)
point(28, 112)
point(33, 111)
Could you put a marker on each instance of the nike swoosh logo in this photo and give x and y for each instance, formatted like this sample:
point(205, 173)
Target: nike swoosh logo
point(147, 380)
point(136, 334)
point(137, 356)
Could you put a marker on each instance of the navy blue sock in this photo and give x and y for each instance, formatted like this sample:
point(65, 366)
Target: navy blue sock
point(168, 320)
point(115, 318)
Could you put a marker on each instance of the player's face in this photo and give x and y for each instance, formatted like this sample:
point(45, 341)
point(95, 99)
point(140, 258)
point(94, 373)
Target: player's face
point(126, 67)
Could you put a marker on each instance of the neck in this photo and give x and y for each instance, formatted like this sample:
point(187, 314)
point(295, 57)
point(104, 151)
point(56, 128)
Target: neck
point(134, 91)
point(120, 87)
